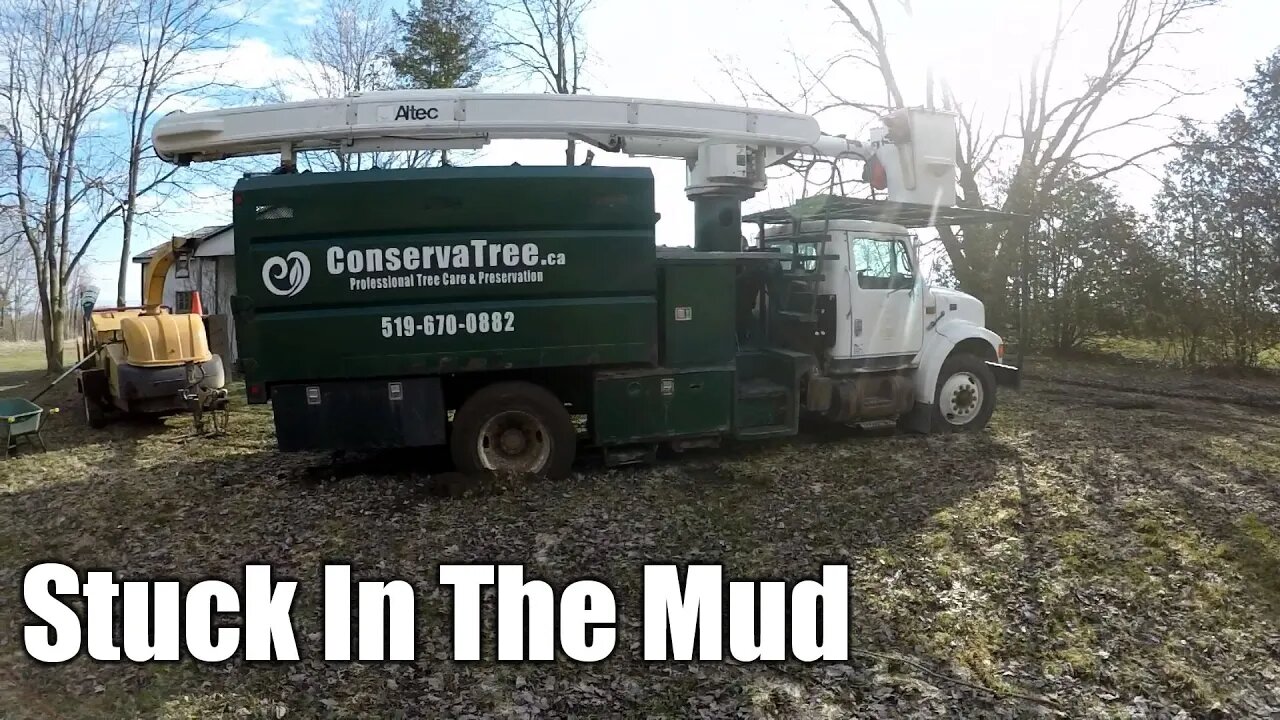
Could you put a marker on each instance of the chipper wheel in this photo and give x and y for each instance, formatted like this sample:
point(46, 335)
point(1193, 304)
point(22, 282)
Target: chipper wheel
point(513, 428)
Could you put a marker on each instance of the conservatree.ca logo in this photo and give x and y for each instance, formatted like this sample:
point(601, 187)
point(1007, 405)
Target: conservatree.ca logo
point(286, 276)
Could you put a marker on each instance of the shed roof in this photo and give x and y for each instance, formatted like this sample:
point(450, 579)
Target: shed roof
point(204, 233)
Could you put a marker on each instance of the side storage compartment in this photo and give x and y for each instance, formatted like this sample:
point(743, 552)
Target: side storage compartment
point(698, 325)
point(359, 414)
point(649, 405)
point(767, 397)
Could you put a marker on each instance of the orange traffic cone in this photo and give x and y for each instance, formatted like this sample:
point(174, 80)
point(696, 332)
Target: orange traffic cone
point(196, 308)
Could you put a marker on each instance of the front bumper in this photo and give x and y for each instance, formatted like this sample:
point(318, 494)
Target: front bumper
point(1006, 375)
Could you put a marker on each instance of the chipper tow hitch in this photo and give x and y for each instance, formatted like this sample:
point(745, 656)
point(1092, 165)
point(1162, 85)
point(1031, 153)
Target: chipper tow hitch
point(209, 406)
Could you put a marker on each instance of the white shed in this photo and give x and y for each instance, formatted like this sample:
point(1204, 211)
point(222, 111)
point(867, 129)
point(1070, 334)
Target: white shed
point(212, 273)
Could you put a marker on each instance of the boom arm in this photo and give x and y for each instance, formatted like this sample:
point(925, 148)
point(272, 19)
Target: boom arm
point(461, 119)
point(726, 149)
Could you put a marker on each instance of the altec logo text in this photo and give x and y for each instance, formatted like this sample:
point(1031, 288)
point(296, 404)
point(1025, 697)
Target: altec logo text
point(413, 112)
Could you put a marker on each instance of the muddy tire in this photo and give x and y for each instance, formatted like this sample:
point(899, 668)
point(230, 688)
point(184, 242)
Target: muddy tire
point(965, 396)
point(513, 428)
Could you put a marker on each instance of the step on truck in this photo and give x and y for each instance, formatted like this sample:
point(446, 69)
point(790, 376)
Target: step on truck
point(486, 307)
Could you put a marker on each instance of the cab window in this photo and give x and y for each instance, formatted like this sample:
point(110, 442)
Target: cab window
point(805, 248)
point(882, 263)
point(810, 249)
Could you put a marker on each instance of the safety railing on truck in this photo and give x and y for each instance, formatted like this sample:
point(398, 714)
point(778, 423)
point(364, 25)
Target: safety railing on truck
point(802, 272)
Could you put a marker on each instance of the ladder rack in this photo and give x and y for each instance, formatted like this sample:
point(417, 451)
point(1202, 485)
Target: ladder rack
point(801, 288)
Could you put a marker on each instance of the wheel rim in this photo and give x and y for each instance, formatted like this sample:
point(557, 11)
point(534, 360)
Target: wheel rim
point(514, 441)
point(961, 398)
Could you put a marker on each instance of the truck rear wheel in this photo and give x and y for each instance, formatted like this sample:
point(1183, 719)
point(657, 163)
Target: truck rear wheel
point(966, 395)
point(513, 428)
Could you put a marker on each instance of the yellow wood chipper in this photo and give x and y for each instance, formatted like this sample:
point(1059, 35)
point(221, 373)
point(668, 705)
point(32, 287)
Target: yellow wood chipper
point(150, 360)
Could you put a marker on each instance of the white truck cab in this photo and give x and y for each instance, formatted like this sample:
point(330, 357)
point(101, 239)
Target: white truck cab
point(886, 322)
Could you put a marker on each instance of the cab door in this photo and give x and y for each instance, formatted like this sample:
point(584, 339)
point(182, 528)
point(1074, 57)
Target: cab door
point(885, 292)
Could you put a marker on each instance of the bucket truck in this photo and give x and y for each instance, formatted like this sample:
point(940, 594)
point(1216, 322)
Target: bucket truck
point(483, 307)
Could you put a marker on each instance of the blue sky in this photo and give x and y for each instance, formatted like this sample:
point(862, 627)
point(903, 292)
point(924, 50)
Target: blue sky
point(677, 49)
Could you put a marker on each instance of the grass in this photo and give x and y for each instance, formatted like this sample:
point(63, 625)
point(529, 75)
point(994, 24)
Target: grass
point(22, 355)
point(1160, 352)
point(22, 365)
point(1105, 550)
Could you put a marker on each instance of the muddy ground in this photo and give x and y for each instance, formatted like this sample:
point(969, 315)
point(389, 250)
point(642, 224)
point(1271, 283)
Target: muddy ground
point(1110, 547)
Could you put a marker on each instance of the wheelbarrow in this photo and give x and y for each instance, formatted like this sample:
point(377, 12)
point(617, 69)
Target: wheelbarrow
point(21, 419)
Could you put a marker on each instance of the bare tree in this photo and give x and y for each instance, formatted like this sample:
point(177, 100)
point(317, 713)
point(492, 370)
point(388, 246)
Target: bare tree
point(17, 291)
point(362, 46)
point(1048, 130)
point(347, 50)
point(72, 320)
point(547, 39)
point(17, 281)
point(1053, 128)
point(170, 37)
point(61, 72)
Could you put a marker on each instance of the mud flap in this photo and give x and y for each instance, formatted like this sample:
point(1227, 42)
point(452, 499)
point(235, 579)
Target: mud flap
point(919, 419)
point(1006, 375)
point(93, 383)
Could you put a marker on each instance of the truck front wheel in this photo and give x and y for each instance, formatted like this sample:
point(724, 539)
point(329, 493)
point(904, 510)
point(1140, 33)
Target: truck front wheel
point(513, 428)
point(966, 395)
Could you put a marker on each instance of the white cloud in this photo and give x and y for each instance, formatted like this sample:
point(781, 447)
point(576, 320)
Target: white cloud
point(270, 15)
